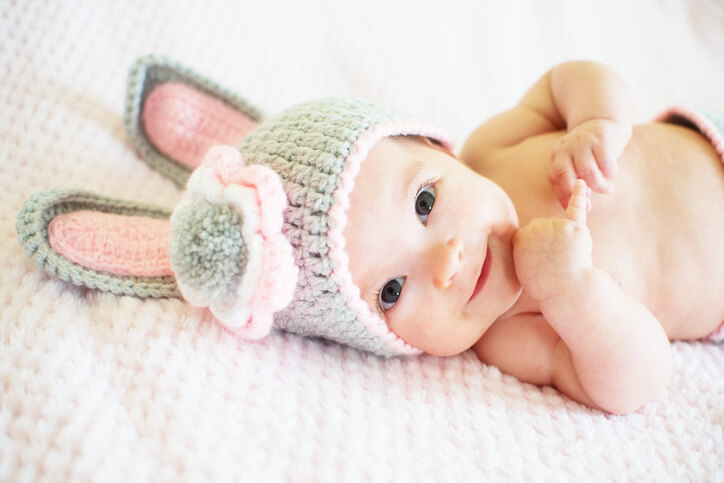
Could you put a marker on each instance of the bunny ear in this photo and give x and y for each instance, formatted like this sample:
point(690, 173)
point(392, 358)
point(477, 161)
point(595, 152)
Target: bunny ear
point(173, 116)
point(97, 242)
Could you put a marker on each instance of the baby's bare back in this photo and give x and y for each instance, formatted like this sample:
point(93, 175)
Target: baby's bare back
point(660, 235)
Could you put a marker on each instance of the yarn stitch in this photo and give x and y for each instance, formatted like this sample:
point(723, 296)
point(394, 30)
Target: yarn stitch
point(108, 242)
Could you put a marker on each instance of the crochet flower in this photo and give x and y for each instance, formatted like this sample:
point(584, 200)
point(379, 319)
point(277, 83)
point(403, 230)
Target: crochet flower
point(227, 249)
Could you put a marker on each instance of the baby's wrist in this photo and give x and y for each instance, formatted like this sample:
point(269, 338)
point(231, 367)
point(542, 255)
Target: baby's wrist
point(575, 294)
point(621, 127)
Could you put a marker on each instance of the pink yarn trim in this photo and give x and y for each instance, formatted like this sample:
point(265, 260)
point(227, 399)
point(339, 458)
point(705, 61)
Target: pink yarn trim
point(337, 253)
point(183, 123)
point(705, 125)
point(229, 167)
point(123, 245)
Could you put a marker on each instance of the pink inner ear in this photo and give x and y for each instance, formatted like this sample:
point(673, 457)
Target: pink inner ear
point(122, 245)
point(184, 123)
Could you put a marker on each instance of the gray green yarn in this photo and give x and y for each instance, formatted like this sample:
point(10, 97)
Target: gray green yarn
point(32, 229)
point(207, 250)
point(150, 71)
point(308, 146)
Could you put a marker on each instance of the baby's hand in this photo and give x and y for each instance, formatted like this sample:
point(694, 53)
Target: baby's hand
point(590, 151)
point(553, 254)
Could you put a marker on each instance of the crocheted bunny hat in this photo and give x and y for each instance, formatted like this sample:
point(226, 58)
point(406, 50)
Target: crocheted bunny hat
point(258, 236)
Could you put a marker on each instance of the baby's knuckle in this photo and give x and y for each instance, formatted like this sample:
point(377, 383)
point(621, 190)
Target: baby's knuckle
point(533, 223)
point(556, 171)
point(557, 152)
point(560, 142)
point(560, 223)
point(587, 171)
point(521, 233)
point(605, 162)
point(598, 131)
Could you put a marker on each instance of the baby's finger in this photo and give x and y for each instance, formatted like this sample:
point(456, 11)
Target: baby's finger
point(606, 159)
point(578, 204)
point(561, 196)
point(562, 175)
point(587, 168)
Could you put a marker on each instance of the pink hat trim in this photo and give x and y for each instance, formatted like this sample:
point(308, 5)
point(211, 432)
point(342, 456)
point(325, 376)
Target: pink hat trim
point(337, 253)
point(702, 122)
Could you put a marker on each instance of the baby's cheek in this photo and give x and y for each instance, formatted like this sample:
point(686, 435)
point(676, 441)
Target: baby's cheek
point(410, 329)
point(426, 331)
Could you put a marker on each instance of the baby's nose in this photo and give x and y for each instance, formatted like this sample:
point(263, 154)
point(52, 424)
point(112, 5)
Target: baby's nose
point(447, 262)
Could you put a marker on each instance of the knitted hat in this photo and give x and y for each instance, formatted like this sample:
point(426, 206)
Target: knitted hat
point(258, 237)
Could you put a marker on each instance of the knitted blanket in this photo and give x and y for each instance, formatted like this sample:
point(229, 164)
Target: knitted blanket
point(100, 387)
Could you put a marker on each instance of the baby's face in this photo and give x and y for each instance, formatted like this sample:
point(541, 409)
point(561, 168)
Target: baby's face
point(430, 245)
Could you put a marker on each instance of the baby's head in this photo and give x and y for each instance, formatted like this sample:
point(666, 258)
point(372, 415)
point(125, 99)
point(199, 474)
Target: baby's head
point(400, 247)
point(429, 244)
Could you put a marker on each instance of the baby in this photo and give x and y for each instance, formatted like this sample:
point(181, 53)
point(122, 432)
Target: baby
point(564, 245)
point(505, 252)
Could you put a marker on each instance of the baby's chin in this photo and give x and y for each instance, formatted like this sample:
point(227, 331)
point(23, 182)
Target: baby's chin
point(451, 349)
point(449, 338)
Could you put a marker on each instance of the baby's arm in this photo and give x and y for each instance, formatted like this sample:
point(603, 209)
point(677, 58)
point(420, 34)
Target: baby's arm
point(586, 98)
point(617, 350)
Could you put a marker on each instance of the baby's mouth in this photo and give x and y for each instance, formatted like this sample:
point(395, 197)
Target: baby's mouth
point(484, 272)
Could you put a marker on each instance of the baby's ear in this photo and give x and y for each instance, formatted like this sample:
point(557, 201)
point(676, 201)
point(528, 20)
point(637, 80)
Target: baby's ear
point(98, 242)
point(174, 115)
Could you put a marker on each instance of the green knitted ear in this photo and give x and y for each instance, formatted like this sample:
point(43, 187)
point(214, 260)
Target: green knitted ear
point(36, 215)
point(152, 71)
point(207, 250)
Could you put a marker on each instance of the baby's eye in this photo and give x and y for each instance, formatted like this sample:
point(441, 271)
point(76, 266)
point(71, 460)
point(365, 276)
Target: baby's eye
point(390, 293)
point(423, 202)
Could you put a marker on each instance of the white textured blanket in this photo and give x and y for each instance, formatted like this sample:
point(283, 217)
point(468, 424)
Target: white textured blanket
point(106, 388)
